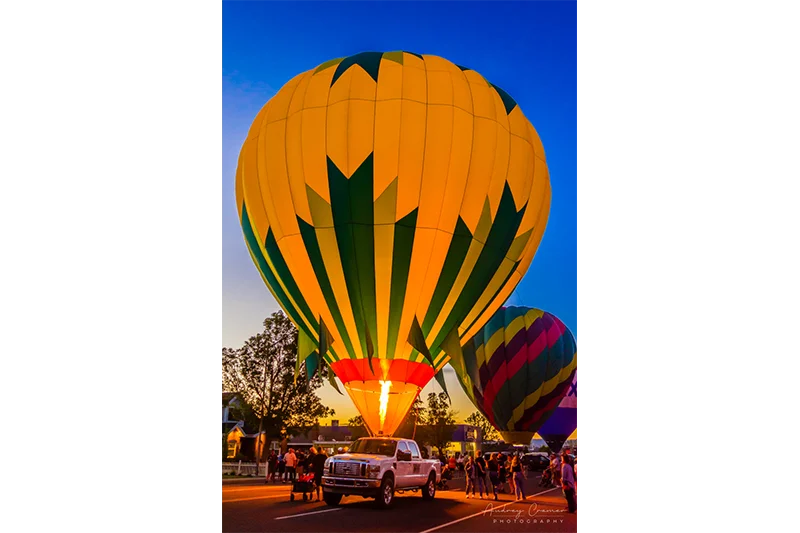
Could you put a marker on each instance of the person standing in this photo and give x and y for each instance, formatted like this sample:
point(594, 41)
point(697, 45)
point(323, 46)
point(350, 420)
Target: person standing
point(480, 476)
point(469, 472)
point(502, 471)
point(318, 468)
point(555, 464)
point(494, 473)
point(282, 467)
point(291, 464)
point(568, 483)
point(519, 479)
point(272, 465)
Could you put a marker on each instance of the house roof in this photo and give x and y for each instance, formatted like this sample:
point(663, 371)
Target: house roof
point(228, 396)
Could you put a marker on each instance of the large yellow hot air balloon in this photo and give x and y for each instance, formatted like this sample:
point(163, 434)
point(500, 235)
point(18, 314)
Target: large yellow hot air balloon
point(392, 202)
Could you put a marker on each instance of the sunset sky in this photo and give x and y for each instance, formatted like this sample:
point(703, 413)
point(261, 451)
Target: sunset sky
point(527, 48)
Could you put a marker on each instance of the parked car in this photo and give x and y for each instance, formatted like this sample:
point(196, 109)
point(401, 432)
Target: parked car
point(535, 461)
point(377, 468)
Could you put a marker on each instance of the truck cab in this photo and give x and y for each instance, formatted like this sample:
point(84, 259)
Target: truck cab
point(377, 467)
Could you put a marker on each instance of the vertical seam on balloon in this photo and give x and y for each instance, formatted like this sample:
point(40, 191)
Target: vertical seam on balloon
point(413, 307)
point(396, 201)
point(441, 210)
point(375, 344)
point(287, 252)
point(419, 204)
point(466, 184)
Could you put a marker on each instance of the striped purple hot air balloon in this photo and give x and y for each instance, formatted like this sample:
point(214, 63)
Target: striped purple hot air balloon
point(517, 369)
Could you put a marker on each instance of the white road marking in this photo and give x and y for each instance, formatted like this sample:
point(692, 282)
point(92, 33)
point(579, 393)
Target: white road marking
point(306, 514)
point(482, 512)
point(254, 498)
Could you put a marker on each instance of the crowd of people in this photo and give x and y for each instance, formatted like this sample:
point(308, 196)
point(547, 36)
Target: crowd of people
point(482, 474)
point(287, 467)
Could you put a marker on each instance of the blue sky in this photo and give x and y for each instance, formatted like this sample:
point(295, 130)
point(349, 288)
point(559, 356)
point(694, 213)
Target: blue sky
point(527, 48)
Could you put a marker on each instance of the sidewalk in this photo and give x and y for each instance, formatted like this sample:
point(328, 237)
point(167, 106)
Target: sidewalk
point(230, 480)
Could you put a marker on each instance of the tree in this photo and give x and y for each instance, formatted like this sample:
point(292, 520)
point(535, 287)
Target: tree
point(487, 430)
point(357, 427)
point(262, 372)
point(440, 420)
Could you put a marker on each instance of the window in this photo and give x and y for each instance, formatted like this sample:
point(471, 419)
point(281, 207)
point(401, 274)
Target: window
point(232, 449)
point(414, 450)
point(377, 446)
point(402, 447)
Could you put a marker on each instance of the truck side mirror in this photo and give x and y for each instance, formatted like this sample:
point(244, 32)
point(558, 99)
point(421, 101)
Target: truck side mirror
point(403, 456)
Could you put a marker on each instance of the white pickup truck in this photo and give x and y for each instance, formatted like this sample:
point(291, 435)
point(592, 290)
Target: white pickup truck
point(376, 468)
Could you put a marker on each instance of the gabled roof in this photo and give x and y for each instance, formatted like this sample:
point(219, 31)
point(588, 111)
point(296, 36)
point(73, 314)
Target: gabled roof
point(228, 396)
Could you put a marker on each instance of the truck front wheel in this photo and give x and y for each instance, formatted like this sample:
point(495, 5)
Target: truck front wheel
point(332, 499)
point(429, 490)
point(386, 494)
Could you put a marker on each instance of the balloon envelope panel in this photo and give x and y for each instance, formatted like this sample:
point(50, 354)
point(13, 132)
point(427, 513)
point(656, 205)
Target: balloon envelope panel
point(564, 421)
point(384, 190)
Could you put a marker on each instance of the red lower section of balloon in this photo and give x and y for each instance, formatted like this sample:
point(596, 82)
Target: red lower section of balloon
point(399, 370)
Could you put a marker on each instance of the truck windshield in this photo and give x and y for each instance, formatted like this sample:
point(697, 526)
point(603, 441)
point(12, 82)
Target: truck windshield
point(374, 446)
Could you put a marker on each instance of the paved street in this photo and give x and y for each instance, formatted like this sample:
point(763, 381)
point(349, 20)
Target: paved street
point(251, 506)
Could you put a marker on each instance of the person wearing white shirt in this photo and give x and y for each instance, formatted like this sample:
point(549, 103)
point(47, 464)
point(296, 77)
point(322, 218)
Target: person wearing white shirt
point(291, 464)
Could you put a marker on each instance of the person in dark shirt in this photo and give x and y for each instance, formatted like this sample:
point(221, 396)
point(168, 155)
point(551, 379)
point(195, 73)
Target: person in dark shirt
point(502, 471)
point(519, 479)
point(317, 466)
point(480, 476)
point(494, 473)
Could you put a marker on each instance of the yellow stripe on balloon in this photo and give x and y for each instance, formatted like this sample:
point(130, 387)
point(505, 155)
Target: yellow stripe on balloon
point(424, 239)
point(360, 128)
point(462, 96)
point(467, 266)
point(481, 164)
point(458, 169)
point(299, 98)
point(337, 124)
point(503, 271)
point(294, 167)
point(279, 201)
point(298, 261)
point(329, 250)
point(436, 163)
point(251, 190)
point(315, 163)
point(387, 139)
point(441, 245)
point(490, 310)
point(520, 170)
point(493, 343)
point(411, 152)
point(543, 390)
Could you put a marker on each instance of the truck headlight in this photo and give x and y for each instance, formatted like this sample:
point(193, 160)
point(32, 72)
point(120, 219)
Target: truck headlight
point(374, 470)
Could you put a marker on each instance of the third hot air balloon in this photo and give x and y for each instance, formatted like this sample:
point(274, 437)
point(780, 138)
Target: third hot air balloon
point(517, 369)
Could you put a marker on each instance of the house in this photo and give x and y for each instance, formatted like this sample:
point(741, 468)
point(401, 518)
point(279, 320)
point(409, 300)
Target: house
point(239, 438)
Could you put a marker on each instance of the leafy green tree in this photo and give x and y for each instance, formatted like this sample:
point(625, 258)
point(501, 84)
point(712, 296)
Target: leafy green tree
point(478, 420)
point(439, 419)
point(262, 372)
point(357, 427)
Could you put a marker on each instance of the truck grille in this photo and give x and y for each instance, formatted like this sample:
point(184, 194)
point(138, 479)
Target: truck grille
point(347, 469)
